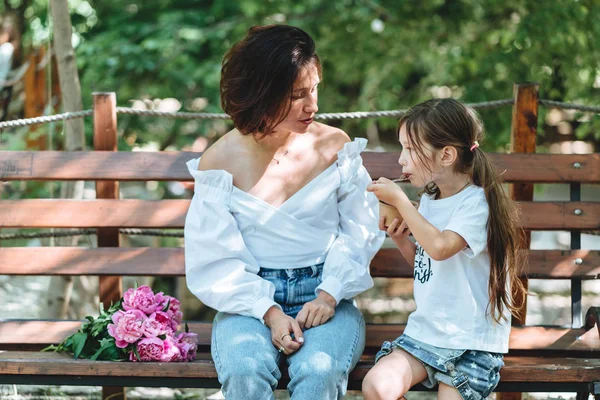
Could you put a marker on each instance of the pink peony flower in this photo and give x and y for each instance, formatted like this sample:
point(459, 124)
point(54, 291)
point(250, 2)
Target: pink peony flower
point(149, 349)
point(188, 345)
point(155, 349)
point(174, 309)
point(170, 350)
point(127, 327)
point(157, 325)
point(142, 299)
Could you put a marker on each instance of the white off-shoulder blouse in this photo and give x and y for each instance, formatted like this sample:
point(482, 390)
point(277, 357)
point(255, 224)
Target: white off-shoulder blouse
point(230, 235)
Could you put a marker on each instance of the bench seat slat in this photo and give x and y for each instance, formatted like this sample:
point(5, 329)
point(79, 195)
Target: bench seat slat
point(167, 261)
point(538, 338)
point(49, 213)
point(170, 166)
point(516, 369)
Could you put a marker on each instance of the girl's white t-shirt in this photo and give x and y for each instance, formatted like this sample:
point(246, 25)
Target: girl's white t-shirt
point(452, 295)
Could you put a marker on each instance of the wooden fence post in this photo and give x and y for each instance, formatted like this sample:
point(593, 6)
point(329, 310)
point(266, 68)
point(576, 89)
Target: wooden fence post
point(523, 140)
point(35, 99)
point(105, 139)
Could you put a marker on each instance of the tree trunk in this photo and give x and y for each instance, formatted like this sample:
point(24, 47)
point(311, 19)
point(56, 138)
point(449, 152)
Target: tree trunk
point(60, 289)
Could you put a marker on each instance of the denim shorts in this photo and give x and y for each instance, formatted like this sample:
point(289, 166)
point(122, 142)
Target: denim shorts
point(475, 374)
point(294, 287)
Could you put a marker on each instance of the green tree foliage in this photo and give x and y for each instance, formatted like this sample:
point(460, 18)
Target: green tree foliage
point(377, 55)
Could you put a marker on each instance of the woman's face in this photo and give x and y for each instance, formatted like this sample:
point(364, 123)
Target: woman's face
point(304, 102)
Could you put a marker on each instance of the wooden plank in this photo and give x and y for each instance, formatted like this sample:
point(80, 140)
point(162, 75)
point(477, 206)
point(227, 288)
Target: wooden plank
point(95, 165)
point(148, 261)
point(47, 213)
point(170, 166)
point(516, 369)
point(552, 264)
point(560, 215)
point(522, 140)
point(110, 288)
point(528, 338)
point(50, 213)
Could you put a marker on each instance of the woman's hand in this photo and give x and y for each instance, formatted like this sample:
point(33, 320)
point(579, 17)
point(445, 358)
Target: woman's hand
point(282, 328)
point(317, 312)
point(386, 190)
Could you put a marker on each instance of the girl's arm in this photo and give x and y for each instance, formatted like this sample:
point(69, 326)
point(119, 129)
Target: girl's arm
point(440, 245)
point(408, 249)
point(400, 237)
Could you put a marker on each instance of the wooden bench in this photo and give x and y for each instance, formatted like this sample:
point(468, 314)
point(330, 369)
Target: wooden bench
point(542, 358)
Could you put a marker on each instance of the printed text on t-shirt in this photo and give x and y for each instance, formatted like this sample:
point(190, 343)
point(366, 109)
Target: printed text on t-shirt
point(422, 265)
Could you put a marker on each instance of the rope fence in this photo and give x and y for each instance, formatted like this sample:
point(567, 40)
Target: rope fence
point(323, 116)
point(126, 231)
point(89, 232)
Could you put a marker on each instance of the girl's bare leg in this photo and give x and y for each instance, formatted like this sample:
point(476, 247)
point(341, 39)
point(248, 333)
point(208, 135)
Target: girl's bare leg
point(446, 392)
point(393, 376)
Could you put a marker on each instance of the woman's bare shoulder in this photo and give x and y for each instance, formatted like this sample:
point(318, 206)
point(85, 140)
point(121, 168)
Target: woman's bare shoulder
point(329, 140)
point(221, 153)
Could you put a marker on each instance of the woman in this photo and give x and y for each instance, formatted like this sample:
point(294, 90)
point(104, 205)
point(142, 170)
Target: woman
point(281, 230)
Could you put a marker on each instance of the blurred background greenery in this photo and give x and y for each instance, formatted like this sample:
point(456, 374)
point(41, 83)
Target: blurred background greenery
point(377, 55)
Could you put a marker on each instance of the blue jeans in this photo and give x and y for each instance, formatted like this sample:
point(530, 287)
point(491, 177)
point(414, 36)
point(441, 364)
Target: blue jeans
point(248, 364)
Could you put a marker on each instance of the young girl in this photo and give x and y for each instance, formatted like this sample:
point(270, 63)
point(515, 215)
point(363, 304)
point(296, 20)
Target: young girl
point(465, 259)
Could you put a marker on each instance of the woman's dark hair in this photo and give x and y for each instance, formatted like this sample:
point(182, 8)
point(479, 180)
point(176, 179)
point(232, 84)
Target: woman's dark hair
point(258, 75)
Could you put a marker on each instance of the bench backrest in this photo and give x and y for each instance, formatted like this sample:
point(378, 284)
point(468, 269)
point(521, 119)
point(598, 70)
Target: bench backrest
point(107, 213)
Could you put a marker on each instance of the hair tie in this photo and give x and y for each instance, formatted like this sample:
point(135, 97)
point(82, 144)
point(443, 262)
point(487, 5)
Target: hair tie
point(475, 145)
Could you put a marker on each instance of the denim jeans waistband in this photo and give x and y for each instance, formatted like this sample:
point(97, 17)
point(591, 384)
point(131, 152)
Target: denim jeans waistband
point(311, 271)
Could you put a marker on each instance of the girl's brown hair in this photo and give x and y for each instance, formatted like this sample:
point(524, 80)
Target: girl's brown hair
point(258, 75)
point(448, 122)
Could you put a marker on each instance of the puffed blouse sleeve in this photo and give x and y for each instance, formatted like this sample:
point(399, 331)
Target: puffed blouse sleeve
point(220, 271)
point(346, 269)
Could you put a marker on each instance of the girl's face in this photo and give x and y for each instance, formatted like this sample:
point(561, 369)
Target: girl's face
point(304, 102)
point(420, 169)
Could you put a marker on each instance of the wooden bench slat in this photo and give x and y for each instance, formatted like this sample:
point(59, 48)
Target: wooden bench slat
point(50, 213)
point(516, 369)
point(553, 264)
point(168, 261)
point(534, 338)
point(170, 166)
point(107, 261)
point(95, 165)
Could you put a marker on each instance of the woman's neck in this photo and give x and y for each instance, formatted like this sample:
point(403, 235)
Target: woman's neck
point(275, 141)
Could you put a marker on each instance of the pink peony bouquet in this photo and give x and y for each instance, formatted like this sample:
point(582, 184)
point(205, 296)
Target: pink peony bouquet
point(142, 326)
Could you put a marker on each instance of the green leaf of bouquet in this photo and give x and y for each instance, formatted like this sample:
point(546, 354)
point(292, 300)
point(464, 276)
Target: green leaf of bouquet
point(137, 355)
point(166, 307)
point(187, 328)
point(52, 347)
point(105, 345)
point(79, 340)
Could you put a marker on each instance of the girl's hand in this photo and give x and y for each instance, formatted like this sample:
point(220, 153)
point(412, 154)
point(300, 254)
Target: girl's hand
point(317, 312)
point(395, 231)
point(386, 190)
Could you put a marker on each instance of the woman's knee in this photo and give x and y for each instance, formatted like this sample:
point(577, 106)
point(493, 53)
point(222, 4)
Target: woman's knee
point(250, 368)
point(320, 371)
